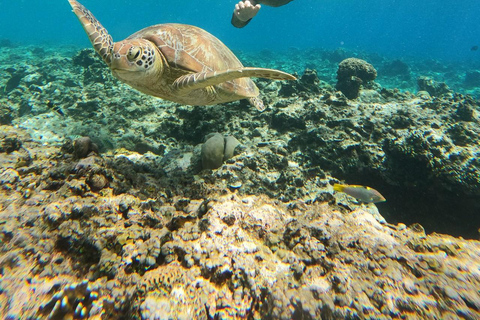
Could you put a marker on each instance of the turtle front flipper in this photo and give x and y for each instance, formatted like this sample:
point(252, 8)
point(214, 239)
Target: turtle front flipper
point(98, 35)
point(201, 80)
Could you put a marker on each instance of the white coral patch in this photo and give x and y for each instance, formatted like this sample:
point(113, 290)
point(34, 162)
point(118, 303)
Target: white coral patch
point(319, 284)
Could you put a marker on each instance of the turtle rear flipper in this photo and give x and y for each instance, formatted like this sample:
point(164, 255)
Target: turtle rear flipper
point(201, 80)
point(257, 103)
point(98, 35)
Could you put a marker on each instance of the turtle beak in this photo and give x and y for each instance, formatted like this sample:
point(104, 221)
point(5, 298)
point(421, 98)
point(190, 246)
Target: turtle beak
point(114, 65)
point(119, 64)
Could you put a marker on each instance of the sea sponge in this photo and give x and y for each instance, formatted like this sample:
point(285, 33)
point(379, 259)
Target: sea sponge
point(217, 149)
point(230, 144)
point(97, 181)
point(83, 146)
point(212, 151)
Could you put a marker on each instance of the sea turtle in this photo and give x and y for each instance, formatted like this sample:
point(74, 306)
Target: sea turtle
point(177, 62)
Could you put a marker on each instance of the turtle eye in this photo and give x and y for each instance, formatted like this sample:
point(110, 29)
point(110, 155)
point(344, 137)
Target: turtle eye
point(133, 53)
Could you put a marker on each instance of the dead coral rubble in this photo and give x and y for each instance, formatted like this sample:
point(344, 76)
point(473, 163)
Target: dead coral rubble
point(72, 251)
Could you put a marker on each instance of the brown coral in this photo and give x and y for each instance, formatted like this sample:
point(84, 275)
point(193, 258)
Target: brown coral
point(352, 73)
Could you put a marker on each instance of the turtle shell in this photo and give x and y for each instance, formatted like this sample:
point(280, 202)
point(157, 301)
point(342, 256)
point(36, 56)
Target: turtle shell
point(191, 49)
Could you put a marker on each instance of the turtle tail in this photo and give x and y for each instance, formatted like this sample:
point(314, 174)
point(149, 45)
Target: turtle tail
point(102, 42)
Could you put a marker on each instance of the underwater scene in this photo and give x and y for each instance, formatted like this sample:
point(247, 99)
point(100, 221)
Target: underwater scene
point(269, 159)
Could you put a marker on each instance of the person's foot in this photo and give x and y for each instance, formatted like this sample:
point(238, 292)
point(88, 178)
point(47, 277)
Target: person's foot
point(245, 10)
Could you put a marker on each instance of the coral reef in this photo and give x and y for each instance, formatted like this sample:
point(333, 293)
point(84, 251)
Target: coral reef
point(107, 213)
point(108, 252)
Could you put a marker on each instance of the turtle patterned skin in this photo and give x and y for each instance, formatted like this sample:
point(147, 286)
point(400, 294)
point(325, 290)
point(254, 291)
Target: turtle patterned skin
point(177, 62)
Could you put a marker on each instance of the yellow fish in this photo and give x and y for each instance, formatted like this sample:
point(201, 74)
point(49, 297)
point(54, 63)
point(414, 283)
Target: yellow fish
point(361, 193)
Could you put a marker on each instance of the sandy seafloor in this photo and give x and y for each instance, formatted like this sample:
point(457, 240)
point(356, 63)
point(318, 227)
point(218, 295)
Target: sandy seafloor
point(127, 225)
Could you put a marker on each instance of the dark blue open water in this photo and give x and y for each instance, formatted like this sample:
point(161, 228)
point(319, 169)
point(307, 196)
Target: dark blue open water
point(434, 29)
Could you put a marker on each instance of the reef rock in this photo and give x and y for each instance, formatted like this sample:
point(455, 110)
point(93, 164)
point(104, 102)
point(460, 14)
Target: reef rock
point(139, 231)
point(433, 87)
point(352, 73)
point(152, 253)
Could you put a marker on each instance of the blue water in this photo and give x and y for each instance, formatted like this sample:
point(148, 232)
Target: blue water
point(429, 28)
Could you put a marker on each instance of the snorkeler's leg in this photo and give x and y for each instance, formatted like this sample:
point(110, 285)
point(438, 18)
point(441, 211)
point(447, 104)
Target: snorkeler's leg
point(274, 3)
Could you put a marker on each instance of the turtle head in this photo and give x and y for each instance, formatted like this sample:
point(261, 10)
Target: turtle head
point(135, 60)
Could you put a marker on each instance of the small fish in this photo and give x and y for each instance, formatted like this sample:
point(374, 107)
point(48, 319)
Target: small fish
point(474, 48)
point(361, 193)
point(55, 108)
